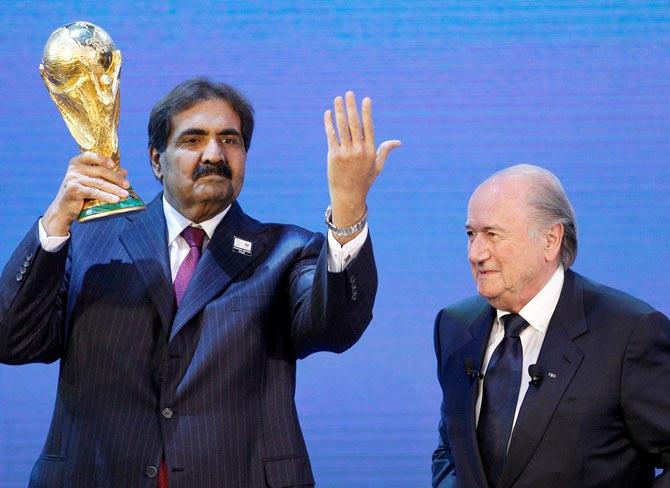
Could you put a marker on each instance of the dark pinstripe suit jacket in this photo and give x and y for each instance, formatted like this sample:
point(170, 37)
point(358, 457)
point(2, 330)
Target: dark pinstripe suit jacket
point(210, 384)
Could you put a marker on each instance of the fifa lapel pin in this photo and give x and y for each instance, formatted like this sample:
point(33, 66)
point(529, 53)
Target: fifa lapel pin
point(241, 246)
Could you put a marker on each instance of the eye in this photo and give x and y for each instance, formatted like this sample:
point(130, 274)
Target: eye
point(230, 140)
point(470, 234)
point(189, 141)
point(494, 236)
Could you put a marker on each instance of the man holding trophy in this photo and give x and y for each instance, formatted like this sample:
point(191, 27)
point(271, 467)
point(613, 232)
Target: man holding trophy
point(178, 326)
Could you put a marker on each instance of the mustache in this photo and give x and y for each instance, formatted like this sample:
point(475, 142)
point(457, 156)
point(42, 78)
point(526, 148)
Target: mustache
point(221, 169)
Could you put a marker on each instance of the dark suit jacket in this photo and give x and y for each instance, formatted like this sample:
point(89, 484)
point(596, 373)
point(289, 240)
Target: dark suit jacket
point(600, 417)
point(210, 384)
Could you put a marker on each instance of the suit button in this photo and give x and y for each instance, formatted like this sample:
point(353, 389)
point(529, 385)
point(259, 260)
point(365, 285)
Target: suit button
point(167, 413)
point(151, 471)
point(19, 276)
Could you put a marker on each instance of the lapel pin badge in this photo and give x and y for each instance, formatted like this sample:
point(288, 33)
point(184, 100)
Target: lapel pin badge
point(241, 246)
point(551, 375)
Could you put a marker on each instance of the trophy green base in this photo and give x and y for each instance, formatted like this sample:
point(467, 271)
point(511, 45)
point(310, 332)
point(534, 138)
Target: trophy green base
point(96, 209)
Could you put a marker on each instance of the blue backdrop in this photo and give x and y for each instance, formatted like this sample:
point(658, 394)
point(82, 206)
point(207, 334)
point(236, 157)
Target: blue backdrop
point(580, 87)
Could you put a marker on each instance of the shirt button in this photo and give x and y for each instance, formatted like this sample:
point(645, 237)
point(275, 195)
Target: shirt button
point(151, 471)
point(167, 413)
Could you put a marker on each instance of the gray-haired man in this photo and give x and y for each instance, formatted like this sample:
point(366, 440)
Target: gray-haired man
point(548, 378)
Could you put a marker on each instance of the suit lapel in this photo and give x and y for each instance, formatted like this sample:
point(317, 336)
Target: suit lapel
point(560, 356)
point(219, 264)
point(463, 394)
point(145, 240)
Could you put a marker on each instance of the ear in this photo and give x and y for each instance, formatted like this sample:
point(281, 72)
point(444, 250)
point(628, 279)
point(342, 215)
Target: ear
point(155, 159)
point(553, 238)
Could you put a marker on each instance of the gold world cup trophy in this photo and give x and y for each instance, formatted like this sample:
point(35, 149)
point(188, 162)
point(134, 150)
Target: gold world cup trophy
point(81, 68)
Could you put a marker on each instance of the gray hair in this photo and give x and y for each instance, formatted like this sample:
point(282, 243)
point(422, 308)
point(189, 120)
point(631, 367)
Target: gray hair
point(550, 204)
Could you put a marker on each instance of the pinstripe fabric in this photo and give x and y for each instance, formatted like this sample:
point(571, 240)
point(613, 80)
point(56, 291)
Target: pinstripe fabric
point(104, 307)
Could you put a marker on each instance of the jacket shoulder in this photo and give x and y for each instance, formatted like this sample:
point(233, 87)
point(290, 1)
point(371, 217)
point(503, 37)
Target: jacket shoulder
point(462, 312)
point(290, 235)
point(616, 302)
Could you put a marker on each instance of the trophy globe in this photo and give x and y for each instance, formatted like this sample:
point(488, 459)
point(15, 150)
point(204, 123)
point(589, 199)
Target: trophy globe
point(81, 69)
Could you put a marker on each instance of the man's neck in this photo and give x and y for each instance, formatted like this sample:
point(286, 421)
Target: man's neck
point(177, 222)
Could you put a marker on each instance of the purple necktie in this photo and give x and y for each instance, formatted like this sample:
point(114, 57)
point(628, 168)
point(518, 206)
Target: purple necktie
point(194, 237)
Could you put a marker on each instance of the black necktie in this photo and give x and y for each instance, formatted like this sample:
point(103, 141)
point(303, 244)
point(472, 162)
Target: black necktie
point(501, 392)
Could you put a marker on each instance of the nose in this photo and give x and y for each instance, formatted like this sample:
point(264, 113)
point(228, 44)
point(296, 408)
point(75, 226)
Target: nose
point(213, 151)
point(478, 249)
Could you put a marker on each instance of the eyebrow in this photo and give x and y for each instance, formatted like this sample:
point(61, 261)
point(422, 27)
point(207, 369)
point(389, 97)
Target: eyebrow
point(485, 228)
point(193, 131)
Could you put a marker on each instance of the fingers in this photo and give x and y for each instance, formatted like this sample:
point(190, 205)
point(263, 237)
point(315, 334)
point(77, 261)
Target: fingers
point(353, 162)
point(348, 122)
point(382, 153)
point(92, 176)
point(101, 189)
point(331, 136)
point(96, 166)
point(368, 125)
point(90, 158)
point(342, 123)
point(88, 176)
point(353, 119)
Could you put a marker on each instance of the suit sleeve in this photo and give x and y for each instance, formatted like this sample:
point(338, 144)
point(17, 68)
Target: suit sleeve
point(645, 383)
point(32, 303)
point(444, 475)
point(330, 311)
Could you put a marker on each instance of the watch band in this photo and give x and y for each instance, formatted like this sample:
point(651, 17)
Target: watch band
point(345, 231)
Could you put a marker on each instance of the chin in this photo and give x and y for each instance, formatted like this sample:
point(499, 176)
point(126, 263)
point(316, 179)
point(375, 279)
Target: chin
point(485, 292)
point(491, 294)
point(214, 192)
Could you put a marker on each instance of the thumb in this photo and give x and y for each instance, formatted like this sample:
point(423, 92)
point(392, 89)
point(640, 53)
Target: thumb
point(383, 151)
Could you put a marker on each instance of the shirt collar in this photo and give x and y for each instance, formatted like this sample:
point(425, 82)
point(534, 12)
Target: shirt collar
point(176, 222)
point(539, 310)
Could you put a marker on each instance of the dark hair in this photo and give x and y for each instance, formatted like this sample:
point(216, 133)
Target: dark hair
point(187, 94)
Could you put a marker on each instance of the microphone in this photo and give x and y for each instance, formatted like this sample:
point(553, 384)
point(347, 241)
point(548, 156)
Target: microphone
point(471, 370)
point(536, 375)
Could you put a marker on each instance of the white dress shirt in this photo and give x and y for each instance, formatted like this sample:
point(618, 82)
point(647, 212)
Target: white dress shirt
point(339, 256)
point(537, 313)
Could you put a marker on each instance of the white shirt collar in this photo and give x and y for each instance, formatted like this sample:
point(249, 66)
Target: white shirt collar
point(176, 222)
point(541, 307)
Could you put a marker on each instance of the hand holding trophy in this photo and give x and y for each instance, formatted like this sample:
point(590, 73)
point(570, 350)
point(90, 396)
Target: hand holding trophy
point(81, 68)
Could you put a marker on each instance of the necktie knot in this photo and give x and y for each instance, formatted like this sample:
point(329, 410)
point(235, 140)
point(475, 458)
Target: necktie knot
point(514, 324)
point(194, 236)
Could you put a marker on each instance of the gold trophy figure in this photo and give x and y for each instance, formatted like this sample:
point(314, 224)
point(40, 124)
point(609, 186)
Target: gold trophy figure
point(81, 68)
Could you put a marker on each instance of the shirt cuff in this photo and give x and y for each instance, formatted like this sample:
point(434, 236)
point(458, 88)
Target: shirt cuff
point(51, 243)
point(339, 256)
